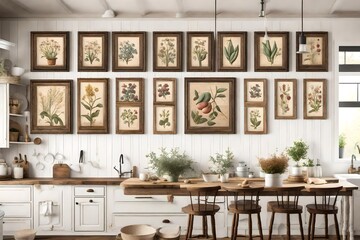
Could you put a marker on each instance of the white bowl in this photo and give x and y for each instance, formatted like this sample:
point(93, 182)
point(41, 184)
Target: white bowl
point(138, 232)
point(26, 234)
point(169, 232)
point(17, 71)
point(209, 177)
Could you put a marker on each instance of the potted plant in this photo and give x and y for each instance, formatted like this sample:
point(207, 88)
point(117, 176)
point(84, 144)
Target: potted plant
point(14, 134)
point(342, 143)
point(297, 152)
point(274, 167)
point(172, 163)
point(308, 168)
point(221, 163)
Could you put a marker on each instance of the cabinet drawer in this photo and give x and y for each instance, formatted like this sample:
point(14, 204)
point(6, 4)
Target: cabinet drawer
point(146, 207)
point(12, 225)
point(23, 194)
point(16, 210)
point(90, 191)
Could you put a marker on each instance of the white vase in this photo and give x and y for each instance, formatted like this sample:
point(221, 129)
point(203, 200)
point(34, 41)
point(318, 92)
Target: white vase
point(224, 177)
point(309, 172)
point(273, 180)
point(296, 171)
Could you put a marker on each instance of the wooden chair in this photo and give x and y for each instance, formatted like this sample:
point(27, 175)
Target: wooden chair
point(327, 206)
point(202, 205)
point(287, 199)
point(245, 201)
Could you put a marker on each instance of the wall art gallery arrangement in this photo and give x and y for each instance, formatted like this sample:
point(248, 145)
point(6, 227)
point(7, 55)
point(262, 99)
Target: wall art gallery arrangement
point(209, 102)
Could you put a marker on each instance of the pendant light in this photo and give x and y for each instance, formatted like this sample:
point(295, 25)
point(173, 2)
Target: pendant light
point(262, 11)
point(302, 39)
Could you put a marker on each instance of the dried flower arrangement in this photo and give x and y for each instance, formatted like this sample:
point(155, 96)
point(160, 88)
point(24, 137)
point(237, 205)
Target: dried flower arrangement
point(274, 164)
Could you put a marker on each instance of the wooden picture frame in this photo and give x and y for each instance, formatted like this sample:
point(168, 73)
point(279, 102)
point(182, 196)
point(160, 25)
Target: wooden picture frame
point(277, 58)
point(232, 51)
point(315, 99)
point(285, 98)
point(50, 51)
point(134, 58)
point(92, 105)
point(93, 51)
point(200, 52)
point(51, 106)
point(167, 51)
point(164, 119)
point(201, 116)
point(129, 118)
point(164, 91)
point(255, 90)
point(255, 119)
point(316, 60)
point(129, 90)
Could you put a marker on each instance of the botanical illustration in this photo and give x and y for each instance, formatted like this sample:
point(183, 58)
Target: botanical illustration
point(167, 51)
point(92, 51)
point(129, 119)
point(255, 119)
point(255, 91)
point(127, 51)
point(128, 116)
point(200, 51)
point(164, 90)
point(314, 48)
point(51, 106)
point(164, 119)
point(271, 51)
point(129, 92)
point(92, 102)
point(49, 49)
point(314, 98)
point(315, 95)
point(231, 53)
point(285, 98)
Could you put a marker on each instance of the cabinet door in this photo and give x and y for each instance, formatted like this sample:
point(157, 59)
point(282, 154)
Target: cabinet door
point(52, 208)
point(4, 115)
point(89, 214)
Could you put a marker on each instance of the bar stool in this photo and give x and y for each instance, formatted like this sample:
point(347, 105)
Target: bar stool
point(287, 199)
point(203, 205)
point(326, 207)
point(246, 201)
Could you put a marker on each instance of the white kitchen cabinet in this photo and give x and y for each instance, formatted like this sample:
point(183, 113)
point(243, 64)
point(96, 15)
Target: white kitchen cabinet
point(52, 209)
point(89, 208)
point(4, 115)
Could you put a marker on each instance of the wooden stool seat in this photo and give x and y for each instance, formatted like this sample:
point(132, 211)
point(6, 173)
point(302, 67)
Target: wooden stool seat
point(321, 209)
point(244, 208)
point(292, 208)
point(201, 210)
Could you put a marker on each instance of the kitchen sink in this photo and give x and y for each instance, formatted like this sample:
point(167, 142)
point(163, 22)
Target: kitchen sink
point(347, 176)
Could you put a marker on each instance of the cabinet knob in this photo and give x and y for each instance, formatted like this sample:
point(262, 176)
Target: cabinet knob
point(91, 201)
point(166, 221)
point(76, 203)
point(90, 190)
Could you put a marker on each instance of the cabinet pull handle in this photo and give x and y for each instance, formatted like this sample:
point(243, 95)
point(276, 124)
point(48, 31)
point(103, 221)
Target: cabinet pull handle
point(143, 197)
point(90, 190)
point(76, 203)
point(0, 204)
point(91, 201)
point(166, 221)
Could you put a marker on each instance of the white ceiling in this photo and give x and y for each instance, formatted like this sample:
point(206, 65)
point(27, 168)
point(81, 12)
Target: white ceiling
point(177, 8)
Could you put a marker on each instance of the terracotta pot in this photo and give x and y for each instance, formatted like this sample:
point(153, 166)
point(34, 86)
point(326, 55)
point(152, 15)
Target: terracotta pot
point(14, 136)
point(52, 61)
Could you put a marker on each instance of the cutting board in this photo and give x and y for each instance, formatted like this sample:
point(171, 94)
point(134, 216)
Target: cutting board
point(61, 171)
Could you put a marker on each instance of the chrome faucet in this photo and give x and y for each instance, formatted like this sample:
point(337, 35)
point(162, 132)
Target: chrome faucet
point(119, 171)
point(351, 168)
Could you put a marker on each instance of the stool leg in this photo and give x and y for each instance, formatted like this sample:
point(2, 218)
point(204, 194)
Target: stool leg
point(260, 226)
point(326, 226)
point(309, 226)
point(337, 227)
point(271, 224)
point(301, 227)
point(313, 227)
point(233, 228)
point(213, 226)
point(190, 226)
point(236, 226)
point(288, 225)
point(250, 226)
point(205, 226)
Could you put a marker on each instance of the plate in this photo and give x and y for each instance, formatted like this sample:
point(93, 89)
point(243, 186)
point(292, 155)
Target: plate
point(22, 99)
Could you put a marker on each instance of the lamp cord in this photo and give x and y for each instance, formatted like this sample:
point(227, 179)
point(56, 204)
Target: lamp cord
point(302, 16)
point(215, 7)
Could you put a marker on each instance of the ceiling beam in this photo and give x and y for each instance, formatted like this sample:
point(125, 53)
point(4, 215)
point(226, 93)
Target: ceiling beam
point(105, 4)
point(335, 6)
point(65, 6)
point(15, 6)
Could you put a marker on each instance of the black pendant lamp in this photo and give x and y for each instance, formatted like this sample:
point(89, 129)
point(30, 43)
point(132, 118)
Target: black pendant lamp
point(302, 39)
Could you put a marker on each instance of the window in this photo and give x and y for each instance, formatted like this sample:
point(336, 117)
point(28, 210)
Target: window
point(349, 98)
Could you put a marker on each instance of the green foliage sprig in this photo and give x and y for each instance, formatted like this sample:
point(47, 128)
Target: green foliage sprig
point(298, 151)
point(342, 140)
point(309, 163)
point(230, 52)
point(271, 52)
point(221, 163)
point(274, 164)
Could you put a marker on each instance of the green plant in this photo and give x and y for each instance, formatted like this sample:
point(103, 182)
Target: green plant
point(89, 103)
point(298, 151)
point(172, 163)
point(230, 52)
point(271, 52)
point(221, 163)
point(14, 130)
point(129, 116)
point(309, 163)
point(254, 119)
point(275, 164)
point(342, 140)
point(164, 118)
point(49, 49)
point(200, 51)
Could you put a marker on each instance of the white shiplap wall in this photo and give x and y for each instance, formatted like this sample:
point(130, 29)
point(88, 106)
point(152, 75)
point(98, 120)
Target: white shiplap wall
point(105, 149)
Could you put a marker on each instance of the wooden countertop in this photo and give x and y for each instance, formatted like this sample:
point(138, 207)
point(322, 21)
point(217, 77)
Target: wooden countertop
point(65, 181)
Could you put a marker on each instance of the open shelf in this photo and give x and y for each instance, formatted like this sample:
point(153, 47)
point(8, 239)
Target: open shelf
point(16, 115)
point(22, 143)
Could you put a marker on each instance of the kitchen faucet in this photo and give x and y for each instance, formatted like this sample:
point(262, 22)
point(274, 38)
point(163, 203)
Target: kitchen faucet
point(351, 168)
point(121, 162)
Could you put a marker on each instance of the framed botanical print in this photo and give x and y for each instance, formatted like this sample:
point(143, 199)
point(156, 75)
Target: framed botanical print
point(164, 119)
point(129, 51)
point(255, 119)
point(129, 90)
point(167, 51)
point(271, 55)
point(232, 51)
point(316, 59)
point(210, 105)
point(51, 106)
point(315, 99)
point(285, 99)
point(164, 91)
point(200, 57)
point(129, 118)
point(93, 51)
point(50, 51)
point(92, 105)
point(255, 90)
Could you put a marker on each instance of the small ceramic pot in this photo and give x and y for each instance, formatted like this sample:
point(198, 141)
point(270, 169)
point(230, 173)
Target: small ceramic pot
point(273, 180)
